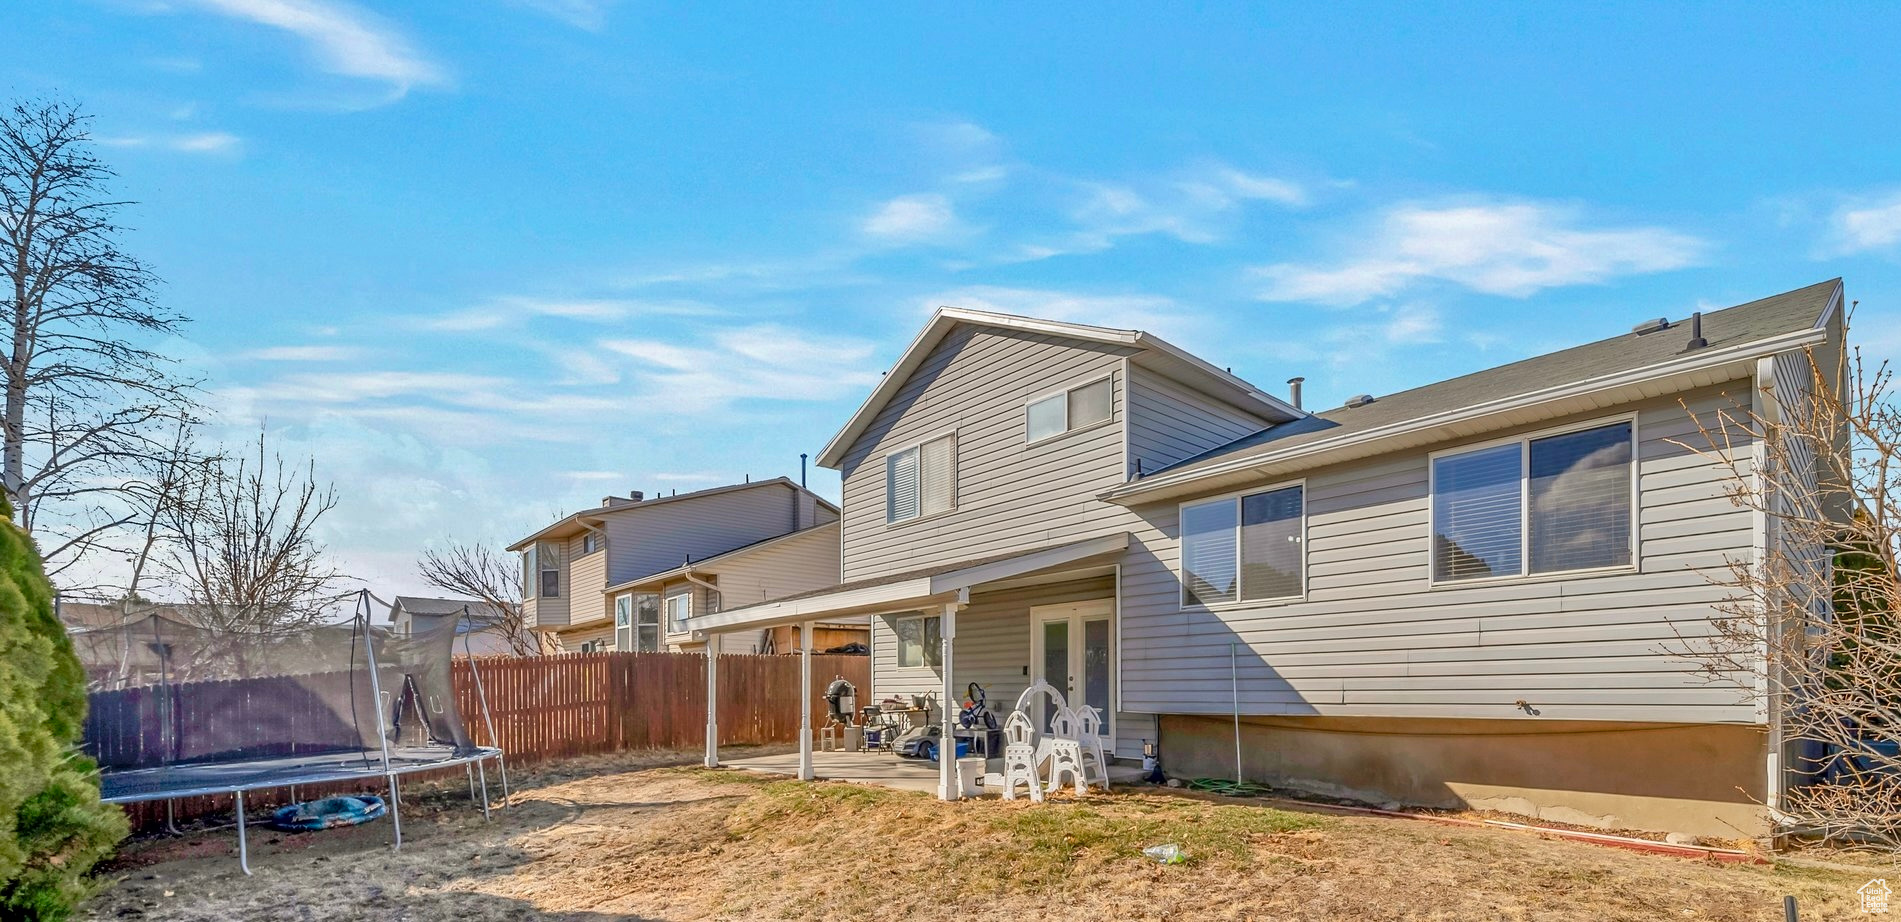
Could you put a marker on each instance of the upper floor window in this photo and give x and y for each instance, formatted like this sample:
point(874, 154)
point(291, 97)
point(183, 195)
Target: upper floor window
point(1075, 408)
point(590, 542)
point(679, 608)
point(1244, 548)
point(541, 572)
point(920, 640)
point(921, 480)
point(1539, 505)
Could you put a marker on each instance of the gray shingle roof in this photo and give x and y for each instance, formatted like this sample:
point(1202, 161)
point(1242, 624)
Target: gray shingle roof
point(1733, 326)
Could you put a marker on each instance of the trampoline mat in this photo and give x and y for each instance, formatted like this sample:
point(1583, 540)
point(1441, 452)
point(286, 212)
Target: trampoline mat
point(194, 779)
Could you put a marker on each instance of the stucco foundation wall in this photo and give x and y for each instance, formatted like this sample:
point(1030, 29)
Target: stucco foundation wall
point(1701, 779)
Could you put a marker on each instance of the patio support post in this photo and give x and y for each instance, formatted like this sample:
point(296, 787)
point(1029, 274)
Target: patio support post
point(948, 787)
point(712, 700)
point(805, 701)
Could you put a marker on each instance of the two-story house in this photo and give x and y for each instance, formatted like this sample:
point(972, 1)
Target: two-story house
point(627, 575)
point(1469, 594)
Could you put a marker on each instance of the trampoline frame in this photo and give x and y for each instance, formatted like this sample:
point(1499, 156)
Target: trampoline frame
point(473, 763)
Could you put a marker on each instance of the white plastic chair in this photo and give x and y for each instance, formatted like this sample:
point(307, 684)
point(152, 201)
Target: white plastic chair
point(1020, 758)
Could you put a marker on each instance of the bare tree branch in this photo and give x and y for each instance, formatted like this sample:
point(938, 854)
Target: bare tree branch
point(479, 572)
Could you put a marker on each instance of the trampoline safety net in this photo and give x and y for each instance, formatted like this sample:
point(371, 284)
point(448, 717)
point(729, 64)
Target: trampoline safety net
point(180, 708)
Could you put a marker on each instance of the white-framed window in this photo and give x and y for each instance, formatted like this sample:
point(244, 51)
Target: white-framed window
point(1077, 408)
point(529, 569)
point(647, 622)
point(541, 571)
point(1249, 547)
point(679, 607)
point(590, 542)
point(624, 622)
point(921, 480)
point(920, 640)
point(1539, 504)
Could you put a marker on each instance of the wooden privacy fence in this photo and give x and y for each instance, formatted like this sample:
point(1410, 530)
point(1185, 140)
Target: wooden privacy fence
point(542, 708)
point(555, 706)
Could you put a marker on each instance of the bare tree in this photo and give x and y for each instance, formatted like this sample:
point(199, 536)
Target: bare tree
point(87, 394)
point(246, 557)
point(479, 572)
point(1810, 630)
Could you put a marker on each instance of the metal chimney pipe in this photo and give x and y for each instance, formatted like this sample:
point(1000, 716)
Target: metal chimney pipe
point(1293, 391)
point(1696, 333)
point(801, 469)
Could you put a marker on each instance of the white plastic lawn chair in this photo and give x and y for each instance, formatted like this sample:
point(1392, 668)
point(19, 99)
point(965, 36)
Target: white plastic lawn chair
point(1095, 763)
point(1019, 758)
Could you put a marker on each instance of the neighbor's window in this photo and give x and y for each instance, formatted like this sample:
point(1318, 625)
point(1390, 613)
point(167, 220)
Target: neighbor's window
point(920, 641)
point(1542, 505)
point(550, 584)
point(679, 608)
point(647, 622)
point(1244, 548)
point(624, 623)
point(921, 480)
point(1075, 408)
point(590, 542)
point(528, 571)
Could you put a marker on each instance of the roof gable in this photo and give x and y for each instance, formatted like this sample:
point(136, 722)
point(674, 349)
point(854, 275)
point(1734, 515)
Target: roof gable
point(1197, 373)
point(565, 525)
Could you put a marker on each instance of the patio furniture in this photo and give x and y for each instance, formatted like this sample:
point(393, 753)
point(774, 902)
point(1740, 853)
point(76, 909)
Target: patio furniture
point(1095, 762)
point(1059, 748)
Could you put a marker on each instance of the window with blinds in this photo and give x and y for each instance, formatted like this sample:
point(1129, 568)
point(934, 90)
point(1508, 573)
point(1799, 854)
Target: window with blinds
point(1543, 505)
point(1076, 408)
point(1581, 500)
point(921, 480)
point(1244, 548)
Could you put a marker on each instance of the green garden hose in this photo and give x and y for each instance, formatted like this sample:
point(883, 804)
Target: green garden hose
point(1228, 788)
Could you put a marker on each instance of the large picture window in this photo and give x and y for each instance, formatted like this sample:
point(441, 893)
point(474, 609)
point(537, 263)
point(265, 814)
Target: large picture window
point(1244, 548)
point(921, 480)
point(920, 641)
point(1541, 505)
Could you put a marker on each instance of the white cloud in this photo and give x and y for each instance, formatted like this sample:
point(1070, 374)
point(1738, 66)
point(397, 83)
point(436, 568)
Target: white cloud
point(758, 362)
point(208, 142)
point(592, 476)
point(1870, 224)
point(344, 40)
point(1197, 205)
point(1405, 325)
point(303, 354)
point(1513, 249)
point(590, 15)
point(514, 310)
point(913, 219)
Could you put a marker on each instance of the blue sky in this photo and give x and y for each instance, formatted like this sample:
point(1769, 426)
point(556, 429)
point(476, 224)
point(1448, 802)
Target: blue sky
point(489, 260)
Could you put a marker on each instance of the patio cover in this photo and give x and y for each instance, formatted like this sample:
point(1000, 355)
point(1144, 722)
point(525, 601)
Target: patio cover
point(907, 591)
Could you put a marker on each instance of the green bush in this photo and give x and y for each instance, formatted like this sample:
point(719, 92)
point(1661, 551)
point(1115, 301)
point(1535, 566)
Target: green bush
point(53, 828)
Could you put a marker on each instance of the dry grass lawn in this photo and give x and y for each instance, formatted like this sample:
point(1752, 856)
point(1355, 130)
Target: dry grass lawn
point(633, 837)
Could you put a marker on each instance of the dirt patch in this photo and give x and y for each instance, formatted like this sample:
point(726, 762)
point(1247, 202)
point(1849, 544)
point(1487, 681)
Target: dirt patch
point(645, 837)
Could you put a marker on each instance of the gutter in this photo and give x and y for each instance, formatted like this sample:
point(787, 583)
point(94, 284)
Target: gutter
point(1702, 359)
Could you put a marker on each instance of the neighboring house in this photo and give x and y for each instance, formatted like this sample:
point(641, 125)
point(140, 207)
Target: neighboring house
point(607, 578)
point(1467, 594)
point(481, 634)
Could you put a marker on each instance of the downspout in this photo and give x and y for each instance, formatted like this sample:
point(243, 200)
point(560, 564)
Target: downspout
point(709, 587)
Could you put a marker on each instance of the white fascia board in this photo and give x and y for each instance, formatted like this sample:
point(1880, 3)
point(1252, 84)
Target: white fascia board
point(887, 597)
point(1133, 492)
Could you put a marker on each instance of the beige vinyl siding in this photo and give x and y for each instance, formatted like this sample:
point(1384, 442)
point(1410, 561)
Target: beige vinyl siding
point(789, 567)
point(1372, 638)
point(586, 576)
point(1009, 495)
point(642, 542)
point(571, 641)
point(1169, 422)
point(993, 649)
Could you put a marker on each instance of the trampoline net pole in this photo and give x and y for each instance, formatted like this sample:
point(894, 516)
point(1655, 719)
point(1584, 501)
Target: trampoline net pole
point(376, 688)
point(488, 719)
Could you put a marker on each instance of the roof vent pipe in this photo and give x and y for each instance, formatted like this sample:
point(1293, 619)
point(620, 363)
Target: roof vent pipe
point(1293, 391)
point(1696, 333)
point(801, 469)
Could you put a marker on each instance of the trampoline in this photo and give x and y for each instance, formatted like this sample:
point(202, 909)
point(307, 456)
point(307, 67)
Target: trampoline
point(188, 710)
